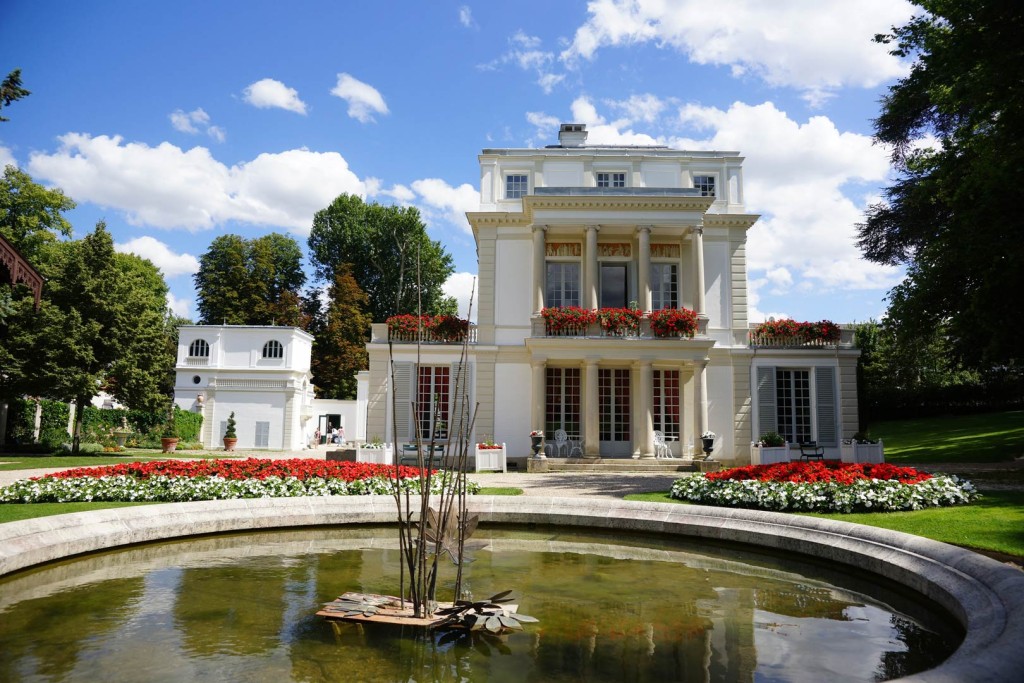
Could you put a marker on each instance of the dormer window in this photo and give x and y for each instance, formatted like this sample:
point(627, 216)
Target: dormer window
point(273, 349)
point(706, 185)
point(611, 179)
point(516, 185)
point(199, 349)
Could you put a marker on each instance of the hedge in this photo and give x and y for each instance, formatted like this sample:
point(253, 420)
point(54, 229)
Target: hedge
point(21, 417)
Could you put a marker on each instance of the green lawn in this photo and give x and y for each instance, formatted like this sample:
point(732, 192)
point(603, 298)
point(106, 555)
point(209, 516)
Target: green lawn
point(24, 461)
point(13, 512)
point(992, 437)
point(500, 491)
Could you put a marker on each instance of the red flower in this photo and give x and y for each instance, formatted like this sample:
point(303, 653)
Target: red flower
point(251, 468)
point(821, 471)
point(672, 322)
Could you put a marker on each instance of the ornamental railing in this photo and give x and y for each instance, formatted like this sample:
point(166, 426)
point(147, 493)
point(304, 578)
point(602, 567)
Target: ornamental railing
point(761, 340)
point(541, 328)
point(382, 333)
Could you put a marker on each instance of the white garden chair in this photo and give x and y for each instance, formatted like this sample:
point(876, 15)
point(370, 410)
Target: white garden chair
point(560, 446)
point(661, 449)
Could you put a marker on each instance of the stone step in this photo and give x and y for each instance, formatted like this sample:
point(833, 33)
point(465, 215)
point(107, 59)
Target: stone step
point(619, 465)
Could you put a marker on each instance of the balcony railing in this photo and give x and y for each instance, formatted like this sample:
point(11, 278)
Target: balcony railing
point(770, 341)
point(539, 328)
point(382, 334)
point(197, 361)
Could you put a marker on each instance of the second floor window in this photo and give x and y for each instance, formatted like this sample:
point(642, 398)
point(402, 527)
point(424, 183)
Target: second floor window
point(273, 349)
point(663, 286)
point(199, 349)
point(563, 284)
point(706, 185)
point(611, 179)
point(516, 186)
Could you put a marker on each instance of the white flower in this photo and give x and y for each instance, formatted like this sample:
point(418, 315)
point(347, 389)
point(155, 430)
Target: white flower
point(708, 435)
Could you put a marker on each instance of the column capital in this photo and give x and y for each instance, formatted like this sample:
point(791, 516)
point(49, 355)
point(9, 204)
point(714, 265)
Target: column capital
point(538, 228)
point(595, 228)
point(647, 227)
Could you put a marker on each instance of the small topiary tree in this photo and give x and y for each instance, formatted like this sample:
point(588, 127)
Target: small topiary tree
point(229, 432)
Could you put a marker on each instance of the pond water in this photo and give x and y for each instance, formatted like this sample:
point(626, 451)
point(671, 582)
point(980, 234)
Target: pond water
point(612, 607)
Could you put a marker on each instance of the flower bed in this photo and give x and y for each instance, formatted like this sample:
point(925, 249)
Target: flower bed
point(828, 486)
point(178, 480)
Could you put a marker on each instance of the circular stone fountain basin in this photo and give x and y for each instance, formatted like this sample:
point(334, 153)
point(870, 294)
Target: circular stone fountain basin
point(986, 598)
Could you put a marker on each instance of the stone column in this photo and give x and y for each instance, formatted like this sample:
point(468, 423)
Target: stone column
point(698, 268)
point(538, 370)
point(539, 258)
point(591, 416)
point(644, 267)
point(644, 424)
point(590, 268)
point(700, 385)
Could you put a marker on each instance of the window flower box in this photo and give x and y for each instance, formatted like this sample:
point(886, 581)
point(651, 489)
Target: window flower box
point(379, 454)
point(789, 333)
point(491, 456)
point(567, 321)
point(620, 322)
point(851, 451)
point(673, 322)
point(442, 329)
point(768, 455)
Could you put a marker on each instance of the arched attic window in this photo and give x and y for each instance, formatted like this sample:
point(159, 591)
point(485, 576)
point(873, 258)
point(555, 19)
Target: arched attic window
point(273, 349)
point(199, 349)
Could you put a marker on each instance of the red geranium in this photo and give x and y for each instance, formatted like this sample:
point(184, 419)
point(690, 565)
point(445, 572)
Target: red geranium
point(821, 471)
point(251, 468)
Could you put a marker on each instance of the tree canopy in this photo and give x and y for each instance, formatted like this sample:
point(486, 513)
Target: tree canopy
point(393, 259)
point(31, 216)
point(251, 282)
point(952, 215)
point(339, 348)
point(11, 90)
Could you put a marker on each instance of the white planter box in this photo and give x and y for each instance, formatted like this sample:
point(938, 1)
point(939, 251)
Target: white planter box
point(379, 456)
point(768, 455)
point(491, 459)
point(862, 452)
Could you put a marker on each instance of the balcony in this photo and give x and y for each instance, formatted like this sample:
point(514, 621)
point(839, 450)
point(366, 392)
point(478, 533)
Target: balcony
point(381, 334)
point(594, 330)
point(760, 338)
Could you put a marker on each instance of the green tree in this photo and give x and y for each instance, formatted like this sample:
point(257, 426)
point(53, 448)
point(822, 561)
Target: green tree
point(31, 216)
point(339, 346)
point(251, 282)
point(11, 90)
point(394, 261)
point(952, 215)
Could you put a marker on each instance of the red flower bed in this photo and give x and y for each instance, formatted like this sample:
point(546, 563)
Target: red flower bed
point(251, 468)
point(822, 471)
point(489, 446)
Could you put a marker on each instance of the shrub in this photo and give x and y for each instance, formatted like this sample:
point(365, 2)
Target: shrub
point(229, 430)
point(771, 440)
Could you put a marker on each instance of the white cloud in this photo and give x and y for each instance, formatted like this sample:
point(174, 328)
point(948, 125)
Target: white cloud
point(363, 99)
point(526, 53)
point(754, 313)
point(167, 187)
point(6, 158)
point(460, 286)
point(178, 306)
point(268, 93)
point(466, 17)
point(169, 263)
point(646, 108)
point(815, 47)
point(195, 122)
point(452, 203)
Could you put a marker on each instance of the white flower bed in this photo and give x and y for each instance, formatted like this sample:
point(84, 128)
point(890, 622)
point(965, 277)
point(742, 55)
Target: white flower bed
point(180, 489)
point(865, 495)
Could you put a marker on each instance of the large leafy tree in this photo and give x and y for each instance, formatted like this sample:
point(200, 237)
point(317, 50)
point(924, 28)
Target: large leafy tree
point(32, 216)
point(393, 260)
point(251, 282)
point(339, 350)
point(952, 216)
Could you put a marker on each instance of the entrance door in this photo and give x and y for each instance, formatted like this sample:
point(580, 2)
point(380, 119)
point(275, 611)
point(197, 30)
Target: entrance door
point(614, 405)
point(613, 285)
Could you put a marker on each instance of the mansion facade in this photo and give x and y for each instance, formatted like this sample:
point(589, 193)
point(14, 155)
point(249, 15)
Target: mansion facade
point(573, 227)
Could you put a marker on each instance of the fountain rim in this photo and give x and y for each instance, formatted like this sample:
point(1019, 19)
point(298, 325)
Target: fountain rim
point(985, 596)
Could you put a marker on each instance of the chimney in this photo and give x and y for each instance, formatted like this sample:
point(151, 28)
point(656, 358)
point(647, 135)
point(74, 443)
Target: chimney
point(572, 134)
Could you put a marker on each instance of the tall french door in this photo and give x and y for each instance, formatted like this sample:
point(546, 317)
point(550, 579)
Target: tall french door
point(614, 406)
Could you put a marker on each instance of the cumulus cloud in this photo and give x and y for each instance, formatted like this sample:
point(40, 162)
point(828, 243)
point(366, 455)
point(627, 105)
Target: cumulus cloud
point(466, 17)
point(461, 286)
point(363, 99)
point(452, 203)
point(268, 93)
point(525, 52)
point(195, 122)
point(169, 263)
point(813, 47)
point(168, 187)
point(178, 306)
point(6, 158)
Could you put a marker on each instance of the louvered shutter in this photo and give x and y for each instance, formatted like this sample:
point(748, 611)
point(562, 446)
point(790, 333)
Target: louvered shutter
point(825, 402)
point(403, 398)
point(767, 414)
point(460, 399)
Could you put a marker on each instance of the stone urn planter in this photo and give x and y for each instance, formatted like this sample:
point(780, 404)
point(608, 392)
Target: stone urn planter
point(120, 436)
point(168, 443)
point(537, 444)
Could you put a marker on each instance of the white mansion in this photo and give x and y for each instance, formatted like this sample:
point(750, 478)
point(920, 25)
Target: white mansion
point(596, 227)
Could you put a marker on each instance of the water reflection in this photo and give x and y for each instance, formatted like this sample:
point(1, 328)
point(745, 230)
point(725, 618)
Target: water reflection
point(611, 609)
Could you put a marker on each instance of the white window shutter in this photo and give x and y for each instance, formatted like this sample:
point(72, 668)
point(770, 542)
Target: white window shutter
point(767, 414)
point(403, 399)
point(825, 402)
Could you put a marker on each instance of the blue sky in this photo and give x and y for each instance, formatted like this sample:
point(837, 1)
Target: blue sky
point(178, 122)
